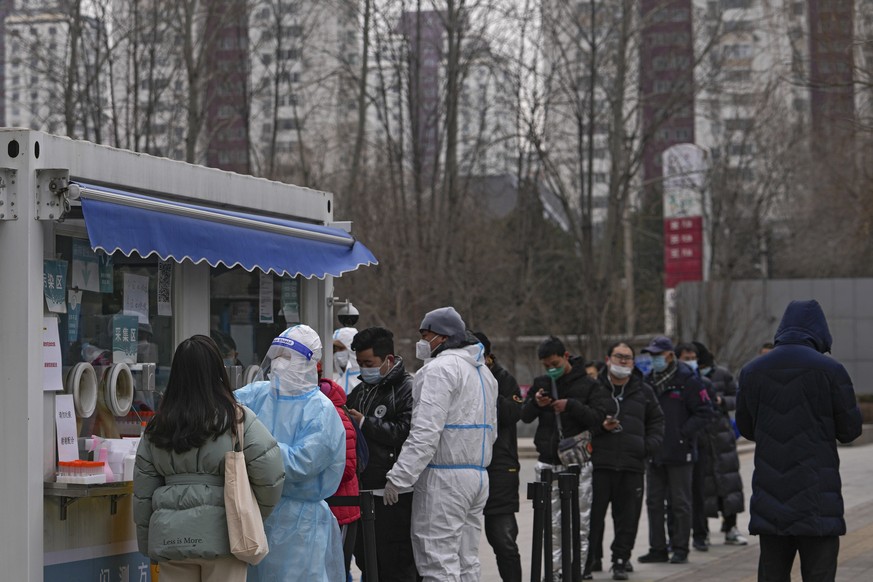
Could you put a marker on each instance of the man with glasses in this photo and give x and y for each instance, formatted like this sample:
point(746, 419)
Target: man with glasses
point(622, 444)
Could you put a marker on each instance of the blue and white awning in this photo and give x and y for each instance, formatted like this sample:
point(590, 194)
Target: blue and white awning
point(132, 223)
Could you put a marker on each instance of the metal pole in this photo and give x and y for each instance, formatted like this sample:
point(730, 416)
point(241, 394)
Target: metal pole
point(368, 522)
point(536, 492)
point(565, 486)
point(546, 477)
point(576, 470)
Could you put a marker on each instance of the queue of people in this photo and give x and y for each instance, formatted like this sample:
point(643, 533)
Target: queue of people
point(443, 462)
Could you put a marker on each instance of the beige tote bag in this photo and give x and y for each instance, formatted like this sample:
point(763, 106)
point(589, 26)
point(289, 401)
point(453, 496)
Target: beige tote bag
point(245, 527)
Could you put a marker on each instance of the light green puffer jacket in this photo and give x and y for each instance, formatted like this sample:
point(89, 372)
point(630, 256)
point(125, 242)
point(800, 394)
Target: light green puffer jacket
point(178, 499)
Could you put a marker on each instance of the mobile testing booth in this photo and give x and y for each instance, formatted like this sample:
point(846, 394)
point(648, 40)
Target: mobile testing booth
point(108, 259)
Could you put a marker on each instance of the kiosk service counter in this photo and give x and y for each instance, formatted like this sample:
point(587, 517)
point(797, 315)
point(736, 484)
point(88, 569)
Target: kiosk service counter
point(108, 259)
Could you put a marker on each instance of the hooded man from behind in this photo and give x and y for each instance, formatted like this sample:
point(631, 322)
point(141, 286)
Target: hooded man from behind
point(454, 422)
point(304, 537)
point(796, 403)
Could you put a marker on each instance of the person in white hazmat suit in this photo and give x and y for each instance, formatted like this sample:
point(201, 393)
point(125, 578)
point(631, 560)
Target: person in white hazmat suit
point(346, 372)
point(454, 414)
point(304, 538)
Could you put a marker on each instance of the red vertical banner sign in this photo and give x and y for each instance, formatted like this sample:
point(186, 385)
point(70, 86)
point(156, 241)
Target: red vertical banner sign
point(683, 250)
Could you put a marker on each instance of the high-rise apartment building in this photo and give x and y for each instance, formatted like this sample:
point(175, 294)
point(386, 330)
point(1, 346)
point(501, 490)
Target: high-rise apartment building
point(667, 88)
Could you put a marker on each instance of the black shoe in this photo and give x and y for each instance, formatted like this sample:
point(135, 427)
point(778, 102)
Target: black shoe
point(654, 557)
point(628, 567)
point(679, 558)
point(619, 571)
point(701, 545)
point(587, 576)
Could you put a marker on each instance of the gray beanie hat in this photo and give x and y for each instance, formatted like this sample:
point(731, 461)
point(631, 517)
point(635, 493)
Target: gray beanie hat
point(444, 321)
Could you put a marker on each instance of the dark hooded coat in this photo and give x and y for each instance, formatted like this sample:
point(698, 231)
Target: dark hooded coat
point(796, 403)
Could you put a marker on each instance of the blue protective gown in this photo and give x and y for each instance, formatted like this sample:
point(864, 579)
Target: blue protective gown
point(304, 538)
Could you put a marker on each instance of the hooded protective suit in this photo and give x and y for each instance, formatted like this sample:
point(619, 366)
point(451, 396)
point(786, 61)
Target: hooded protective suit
point(347, 375)
point(449, 447)
point(304, 537)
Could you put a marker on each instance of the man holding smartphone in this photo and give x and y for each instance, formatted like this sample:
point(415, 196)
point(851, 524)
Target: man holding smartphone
point(582, 403)
point(622, 444)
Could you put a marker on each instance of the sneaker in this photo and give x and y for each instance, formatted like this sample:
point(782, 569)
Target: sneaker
point(654, 557)
point(700, 545)
point(628, 567)
point(735, 538)
point(587, 576)
point(619, 571)
point(679, 558)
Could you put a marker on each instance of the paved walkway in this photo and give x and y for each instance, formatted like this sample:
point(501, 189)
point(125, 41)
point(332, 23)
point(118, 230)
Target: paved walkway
point(731, 563)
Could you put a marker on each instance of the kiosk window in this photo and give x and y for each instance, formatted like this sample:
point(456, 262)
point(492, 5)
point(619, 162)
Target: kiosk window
point(248, 310)
point(117, 310)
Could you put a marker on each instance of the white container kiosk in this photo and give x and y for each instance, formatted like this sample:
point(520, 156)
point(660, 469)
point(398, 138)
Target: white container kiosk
point(148, 252)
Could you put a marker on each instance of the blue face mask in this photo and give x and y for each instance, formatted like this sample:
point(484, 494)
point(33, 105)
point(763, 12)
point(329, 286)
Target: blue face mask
point(692, 364)
point(373, 376)
point(705, 371)
point(659, 363)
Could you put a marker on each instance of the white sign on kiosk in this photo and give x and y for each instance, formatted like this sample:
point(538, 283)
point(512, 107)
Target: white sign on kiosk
point(52, 378)
point(65, 422)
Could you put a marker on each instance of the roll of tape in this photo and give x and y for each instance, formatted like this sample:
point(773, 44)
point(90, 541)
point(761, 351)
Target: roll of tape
point(81, 382)
point(250, 374)
point(118, 389)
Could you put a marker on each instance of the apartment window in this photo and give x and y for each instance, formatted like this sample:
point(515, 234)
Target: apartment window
point(294, 31)
point(740, 76)
point(726, 4)
point(683, 134)
point(226, 111)
point(288, 124)
point(738, 124)
point(663, 86)
point(737, 26)
point(741, 149)
point(737, 51)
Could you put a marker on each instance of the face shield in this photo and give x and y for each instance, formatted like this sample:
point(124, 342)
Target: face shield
point(290, 363)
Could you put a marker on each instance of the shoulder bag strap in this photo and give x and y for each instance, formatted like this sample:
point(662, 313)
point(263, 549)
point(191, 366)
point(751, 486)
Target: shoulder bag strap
point(557, 414)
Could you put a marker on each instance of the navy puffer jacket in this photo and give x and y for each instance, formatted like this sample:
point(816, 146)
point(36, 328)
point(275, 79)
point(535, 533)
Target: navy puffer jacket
point(796, 403)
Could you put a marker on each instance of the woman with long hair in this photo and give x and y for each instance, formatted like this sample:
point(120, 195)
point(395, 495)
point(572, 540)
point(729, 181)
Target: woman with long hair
point(178, 483)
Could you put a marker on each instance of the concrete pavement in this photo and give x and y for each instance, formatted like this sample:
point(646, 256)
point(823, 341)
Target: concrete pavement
point(726, 563)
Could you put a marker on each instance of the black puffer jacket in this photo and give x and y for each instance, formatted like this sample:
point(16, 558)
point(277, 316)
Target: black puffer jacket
point(796, 403)
point(642, 427)
point(718, 447)
point(387, 410)
point(588, 403)
point(687, 411)
point(503, 470)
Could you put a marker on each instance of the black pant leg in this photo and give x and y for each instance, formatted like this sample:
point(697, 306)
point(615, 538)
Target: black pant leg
point(627, 505)
point(393, 542)
point(656, 493)
point(777, 558)
point(501, 530)
point(699, 525)
point(730, 522)
point(601, 497)
point(818, 558)
point(350, 531)
point(679, 492)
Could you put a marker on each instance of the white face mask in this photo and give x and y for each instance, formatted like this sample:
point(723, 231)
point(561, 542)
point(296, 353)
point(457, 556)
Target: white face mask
point(341, 360)
point(620, 372)
point(423, 349)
